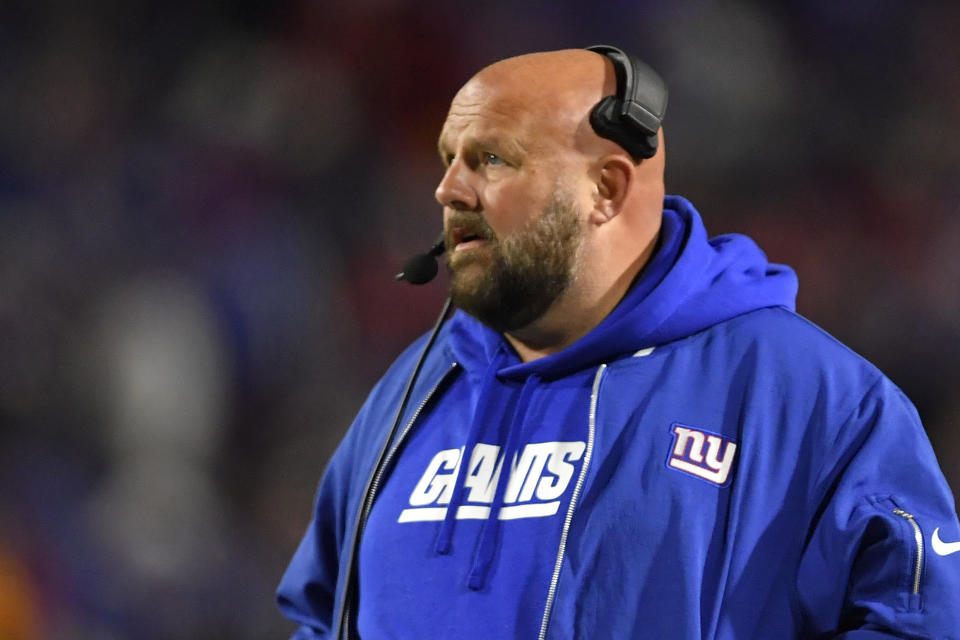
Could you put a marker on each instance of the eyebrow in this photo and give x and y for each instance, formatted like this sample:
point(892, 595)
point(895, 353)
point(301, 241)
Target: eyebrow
point(442, 151)
point(509, 145)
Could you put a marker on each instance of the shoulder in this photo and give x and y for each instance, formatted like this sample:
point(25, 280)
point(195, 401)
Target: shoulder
point(817, 385)
point(772, 362)
point(787, 329)
point(787, 345)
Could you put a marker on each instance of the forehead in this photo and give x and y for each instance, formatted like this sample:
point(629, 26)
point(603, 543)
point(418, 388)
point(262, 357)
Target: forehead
point(481, 110)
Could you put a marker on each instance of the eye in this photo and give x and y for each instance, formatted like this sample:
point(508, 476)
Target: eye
point(492, 159)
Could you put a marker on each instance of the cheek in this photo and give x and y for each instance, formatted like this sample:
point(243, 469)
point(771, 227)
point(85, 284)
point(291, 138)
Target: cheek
point(509, 208)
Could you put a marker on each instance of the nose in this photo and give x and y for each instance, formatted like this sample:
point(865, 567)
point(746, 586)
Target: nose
point(455, 190)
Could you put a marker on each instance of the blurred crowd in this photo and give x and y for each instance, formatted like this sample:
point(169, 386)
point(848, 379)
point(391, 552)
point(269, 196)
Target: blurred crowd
point(203, 204)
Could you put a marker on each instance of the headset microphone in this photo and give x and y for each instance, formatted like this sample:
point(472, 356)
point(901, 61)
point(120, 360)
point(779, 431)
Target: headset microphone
point(422, 268)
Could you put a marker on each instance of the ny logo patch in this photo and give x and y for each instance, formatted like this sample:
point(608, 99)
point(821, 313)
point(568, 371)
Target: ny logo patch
point(706, 455)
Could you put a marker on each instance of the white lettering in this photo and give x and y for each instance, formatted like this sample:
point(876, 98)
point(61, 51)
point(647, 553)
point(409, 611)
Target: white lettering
point(688, 454)
point(684, 436)
point(559, 465)
point(434, 486)
point(542, 469)
point(722, 467)
point(483, 472)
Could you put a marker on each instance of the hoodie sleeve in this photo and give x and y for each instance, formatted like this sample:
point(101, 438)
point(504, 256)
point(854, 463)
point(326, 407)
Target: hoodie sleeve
point(873, 565)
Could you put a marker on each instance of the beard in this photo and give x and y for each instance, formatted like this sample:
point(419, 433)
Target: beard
point(508, 284)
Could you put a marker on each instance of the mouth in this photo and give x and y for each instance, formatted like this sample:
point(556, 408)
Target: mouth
point(462, 238)
point(470, 242)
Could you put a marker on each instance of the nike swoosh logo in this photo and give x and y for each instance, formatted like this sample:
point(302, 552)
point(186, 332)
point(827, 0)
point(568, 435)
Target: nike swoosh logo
point(942, 548)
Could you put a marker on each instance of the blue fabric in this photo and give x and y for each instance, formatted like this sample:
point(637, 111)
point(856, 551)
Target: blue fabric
point(480, 419)
point(748, 478)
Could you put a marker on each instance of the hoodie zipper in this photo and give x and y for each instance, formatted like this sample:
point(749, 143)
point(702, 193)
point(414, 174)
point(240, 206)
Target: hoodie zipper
point(918, 538)
point(591, 430)
point(372, 493)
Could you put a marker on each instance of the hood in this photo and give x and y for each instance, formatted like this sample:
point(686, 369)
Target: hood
point(690, 284)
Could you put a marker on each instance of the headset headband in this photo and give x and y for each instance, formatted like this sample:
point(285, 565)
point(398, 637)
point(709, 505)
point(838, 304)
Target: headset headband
point(633, 116)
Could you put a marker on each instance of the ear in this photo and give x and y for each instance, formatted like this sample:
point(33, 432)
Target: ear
point(612, 186)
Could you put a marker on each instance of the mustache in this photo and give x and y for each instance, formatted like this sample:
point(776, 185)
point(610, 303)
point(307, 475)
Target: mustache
point(463, 224)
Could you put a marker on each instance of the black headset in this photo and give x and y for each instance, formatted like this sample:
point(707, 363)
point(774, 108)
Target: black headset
point(632, 117)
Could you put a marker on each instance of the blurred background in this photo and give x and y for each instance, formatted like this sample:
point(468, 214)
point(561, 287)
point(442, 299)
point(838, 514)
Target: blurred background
point(203, 204)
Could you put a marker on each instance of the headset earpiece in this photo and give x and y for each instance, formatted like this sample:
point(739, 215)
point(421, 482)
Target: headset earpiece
point(633, 116)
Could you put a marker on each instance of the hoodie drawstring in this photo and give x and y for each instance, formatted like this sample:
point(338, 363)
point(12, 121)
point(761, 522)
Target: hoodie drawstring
point(444, 536)
point(490, 528)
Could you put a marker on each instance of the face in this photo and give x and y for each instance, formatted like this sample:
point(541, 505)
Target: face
point(512, 234)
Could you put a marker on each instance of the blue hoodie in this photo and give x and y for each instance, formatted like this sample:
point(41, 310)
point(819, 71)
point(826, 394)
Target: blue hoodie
point(703, 464)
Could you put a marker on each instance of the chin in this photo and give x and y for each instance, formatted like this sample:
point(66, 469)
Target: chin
point(468, 267)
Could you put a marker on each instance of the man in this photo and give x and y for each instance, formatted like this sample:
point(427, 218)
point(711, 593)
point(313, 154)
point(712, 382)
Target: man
point(637, 436)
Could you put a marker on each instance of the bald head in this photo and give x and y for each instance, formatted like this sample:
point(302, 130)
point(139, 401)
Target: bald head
point(556, 88)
